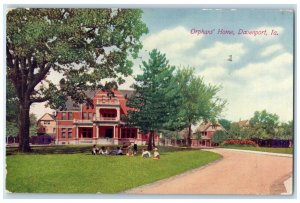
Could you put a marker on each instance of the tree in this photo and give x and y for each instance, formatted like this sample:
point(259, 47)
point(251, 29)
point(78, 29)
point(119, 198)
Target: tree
point(284, 131)
point(150, 103)
point(85, 45)
point(225, 123)
point(265, 124)
point(11, 110)
point(195, 101)
point(219, 137)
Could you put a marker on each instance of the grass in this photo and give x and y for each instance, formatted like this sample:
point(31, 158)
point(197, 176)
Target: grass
point(85, 173)
point(261, 149)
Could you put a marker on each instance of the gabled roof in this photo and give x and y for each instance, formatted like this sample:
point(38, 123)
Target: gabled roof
point(205, 125)
point(243, 123)
point(72, 106)
point(51, 116)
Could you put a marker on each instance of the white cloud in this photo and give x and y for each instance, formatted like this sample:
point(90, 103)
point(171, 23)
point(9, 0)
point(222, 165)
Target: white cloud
point(262, 38)
point(277, 68)
point(259, 86)
point(271, 50)
point(219, 53)
point(173, 42)
point(214, 75)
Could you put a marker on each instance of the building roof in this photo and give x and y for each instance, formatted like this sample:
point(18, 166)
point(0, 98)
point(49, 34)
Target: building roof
point(51, 116)
point(205, 125)
point(72, 106)
point(243, 123)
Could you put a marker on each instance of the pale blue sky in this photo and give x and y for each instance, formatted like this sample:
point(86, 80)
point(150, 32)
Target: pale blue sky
point(260, 76)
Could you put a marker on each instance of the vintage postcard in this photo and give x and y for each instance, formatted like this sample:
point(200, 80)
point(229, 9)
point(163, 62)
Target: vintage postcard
point(127, 101)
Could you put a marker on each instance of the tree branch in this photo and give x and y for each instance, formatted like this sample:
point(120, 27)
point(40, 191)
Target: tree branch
point(38, 78)
point(38, 100)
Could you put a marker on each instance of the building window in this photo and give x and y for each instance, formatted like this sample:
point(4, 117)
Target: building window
point(84, 116)
point(87, 132)
point(90, 116)
point(63, 132)
point(64, 117)
point(46, 122)
point(54, 130)
point(132, 133)
point(70, 116)
point(69, 132)
point(128, 133)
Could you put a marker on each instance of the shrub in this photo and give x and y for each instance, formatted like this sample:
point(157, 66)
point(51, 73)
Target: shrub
point(239, 142)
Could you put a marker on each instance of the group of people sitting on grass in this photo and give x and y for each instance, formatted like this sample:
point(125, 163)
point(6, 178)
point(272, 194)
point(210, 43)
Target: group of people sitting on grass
point(147, 154)
point(100, 151)
point(129, 151)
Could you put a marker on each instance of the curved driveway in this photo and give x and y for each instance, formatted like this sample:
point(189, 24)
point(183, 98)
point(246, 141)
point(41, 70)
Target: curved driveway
point(238, 172)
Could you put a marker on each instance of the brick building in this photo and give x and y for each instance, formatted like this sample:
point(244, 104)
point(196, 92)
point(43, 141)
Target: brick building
point(102, 124)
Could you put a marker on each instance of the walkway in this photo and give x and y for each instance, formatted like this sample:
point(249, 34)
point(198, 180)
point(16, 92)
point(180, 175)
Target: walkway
point(238, 172)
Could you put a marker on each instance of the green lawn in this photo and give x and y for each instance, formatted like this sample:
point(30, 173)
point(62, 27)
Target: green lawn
point(261, 149)
point(85, 173)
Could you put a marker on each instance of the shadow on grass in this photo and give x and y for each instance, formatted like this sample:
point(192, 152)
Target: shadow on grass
point(82, 149)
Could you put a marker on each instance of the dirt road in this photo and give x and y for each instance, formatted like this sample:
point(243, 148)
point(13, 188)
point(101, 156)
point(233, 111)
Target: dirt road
point(236, 173)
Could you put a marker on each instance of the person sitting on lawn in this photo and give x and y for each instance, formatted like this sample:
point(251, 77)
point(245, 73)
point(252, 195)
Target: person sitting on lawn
point(104, 151)
point(129, 153)
point(95, 150)
point(119, 151)
point(156, 154)
point(100, 151)
point(146, 154)
point(113, 152)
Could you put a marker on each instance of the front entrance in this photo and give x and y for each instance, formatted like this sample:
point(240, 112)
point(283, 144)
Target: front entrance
point(109, 132)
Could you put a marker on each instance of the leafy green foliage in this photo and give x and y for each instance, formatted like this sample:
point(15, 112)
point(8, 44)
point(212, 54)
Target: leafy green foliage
point(264, 123)
point(239, 132)
point(219, 137)
point(225, 123)
point(85, 45)
point(150, 103)
point(285, 131)
point(194, 100)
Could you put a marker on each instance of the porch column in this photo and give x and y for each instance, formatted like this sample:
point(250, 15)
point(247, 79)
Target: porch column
point(115, 132)
point(97, 132)
point(77, 132)
point(138, 136)
point(118, 114)
point(94, 130)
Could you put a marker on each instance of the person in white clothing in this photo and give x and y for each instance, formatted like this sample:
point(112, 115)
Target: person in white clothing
point(156, 154)
point(146, 154)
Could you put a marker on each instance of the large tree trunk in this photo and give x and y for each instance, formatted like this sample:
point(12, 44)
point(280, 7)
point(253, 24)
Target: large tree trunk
point(24, 125)
point(150, 140)
point(153, 140)
point(189, 141)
